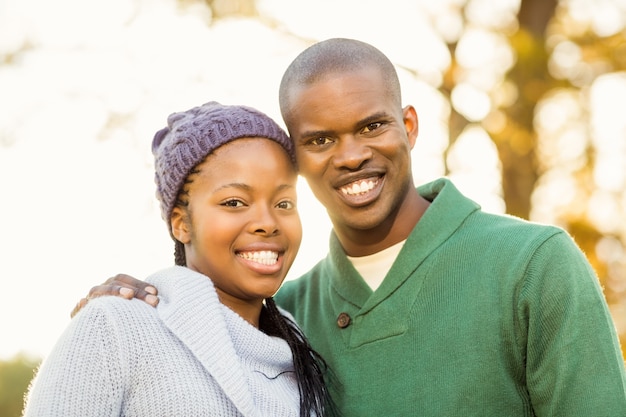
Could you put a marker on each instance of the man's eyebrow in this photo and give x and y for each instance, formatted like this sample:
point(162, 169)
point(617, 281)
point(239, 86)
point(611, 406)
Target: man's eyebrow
point(376, 117)
point(316, 134)
point(373, 118)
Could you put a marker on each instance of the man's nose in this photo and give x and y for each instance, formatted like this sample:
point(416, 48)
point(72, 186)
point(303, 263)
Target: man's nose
point(351, 153)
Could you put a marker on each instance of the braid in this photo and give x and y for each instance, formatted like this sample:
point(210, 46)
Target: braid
point(309, 365)
point(179, 254)
point(182, 200)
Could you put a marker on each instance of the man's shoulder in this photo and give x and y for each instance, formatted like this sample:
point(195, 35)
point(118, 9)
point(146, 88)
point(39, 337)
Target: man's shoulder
point(302, 287)
point(506, 237)
point(301, 283)
point(512, 226)
point(444, 191)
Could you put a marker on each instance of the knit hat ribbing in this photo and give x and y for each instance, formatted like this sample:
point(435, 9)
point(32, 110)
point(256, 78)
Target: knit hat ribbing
point(193, 134)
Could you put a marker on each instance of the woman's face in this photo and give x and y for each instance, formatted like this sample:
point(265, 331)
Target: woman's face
point(242, 227)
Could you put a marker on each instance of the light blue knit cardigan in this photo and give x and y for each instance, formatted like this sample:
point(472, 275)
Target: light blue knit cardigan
point(191, 356)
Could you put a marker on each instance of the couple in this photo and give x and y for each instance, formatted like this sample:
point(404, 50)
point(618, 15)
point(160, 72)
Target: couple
point(425, 305)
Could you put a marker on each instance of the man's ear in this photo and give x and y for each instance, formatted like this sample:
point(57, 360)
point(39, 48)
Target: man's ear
point(180, 225)
point(411, 124)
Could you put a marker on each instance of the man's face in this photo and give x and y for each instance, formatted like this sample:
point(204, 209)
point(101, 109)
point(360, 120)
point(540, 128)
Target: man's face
point(353, 144)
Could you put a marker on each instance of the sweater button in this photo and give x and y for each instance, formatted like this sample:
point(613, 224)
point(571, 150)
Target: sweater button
point(343, 320)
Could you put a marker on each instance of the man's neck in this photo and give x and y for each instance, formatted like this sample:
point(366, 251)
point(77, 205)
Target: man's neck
point(359, 242)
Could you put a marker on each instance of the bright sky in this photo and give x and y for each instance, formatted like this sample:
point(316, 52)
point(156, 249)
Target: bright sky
point(79, 109)
point(80, 106)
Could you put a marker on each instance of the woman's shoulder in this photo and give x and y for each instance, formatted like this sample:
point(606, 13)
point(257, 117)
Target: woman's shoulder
point(116, 312)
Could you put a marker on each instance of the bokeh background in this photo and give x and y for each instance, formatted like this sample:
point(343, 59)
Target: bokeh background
point(521, 103)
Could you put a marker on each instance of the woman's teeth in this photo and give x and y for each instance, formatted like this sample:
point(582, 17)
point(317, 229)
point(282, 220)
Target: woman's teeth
point(264, 257)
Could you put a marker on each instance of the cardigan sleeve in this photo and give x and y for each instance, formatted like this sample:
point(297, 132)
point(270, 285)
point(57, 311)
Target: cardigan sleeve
point(84, 373)
point(574, 366)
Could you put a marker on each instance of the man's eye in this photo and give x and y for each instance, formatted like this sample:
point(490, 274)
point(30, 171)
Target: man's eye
point(320, 141)
point(371, 127)
point(233, 203)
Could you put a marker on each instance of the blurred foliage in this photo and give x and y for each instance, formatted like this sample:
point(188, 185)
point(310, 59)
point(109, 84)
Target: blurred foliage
point(15, 375)
point(230, 8)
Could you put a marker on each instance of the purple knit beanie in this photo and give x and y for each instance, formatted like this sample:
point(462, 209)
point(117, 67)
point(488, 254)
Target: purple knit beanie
point(193, 134)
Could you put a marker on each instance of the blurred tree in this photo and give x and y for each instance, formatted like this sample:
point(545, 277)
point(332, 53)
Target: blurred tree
point(517, 143)
point(15, 375)
point(515, 139)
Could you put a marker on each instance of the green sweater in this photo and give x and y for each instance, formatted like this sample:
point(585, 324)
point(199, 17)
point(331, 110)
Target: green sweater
point(480, 315)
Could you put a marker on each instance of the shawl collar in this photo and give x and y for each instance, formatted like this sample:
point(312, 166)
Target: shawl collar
point(189, 307)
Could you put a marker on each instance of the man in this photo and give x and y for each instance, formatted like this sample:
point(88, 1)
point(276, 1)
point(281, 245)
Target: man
point(425, 305)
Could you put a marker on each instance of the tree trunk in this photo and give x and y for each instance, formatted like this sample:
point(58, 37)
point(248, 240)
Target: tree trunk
point(517, 143)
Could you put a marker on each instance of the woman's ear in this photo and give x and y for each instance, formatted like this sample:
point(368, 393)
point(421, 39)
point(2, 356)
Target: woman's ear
point(180, 225)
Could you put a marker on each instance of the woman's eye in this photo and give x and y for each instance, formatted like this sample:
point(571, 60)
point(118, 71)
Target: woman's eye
point(233, 203)
point(286, 205)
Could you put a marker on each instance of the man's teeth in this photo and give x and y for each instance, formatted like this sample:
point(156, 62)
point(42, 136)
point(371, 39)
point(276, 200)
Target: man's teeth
point(358, 187)
point(264, 257)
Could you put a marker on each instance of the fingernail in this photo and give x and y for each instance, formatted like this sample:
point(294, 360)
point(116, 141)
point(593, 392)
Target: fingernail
point(152, 299)
point(151, 290)
point(126, 292)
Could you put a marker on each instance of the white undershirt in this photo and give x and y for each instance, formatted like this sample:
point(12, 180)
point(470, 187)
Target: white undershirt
point(373, 268)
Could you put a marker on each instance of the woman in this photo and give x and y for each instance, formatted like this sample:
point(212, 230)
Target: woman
point(217, 344)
